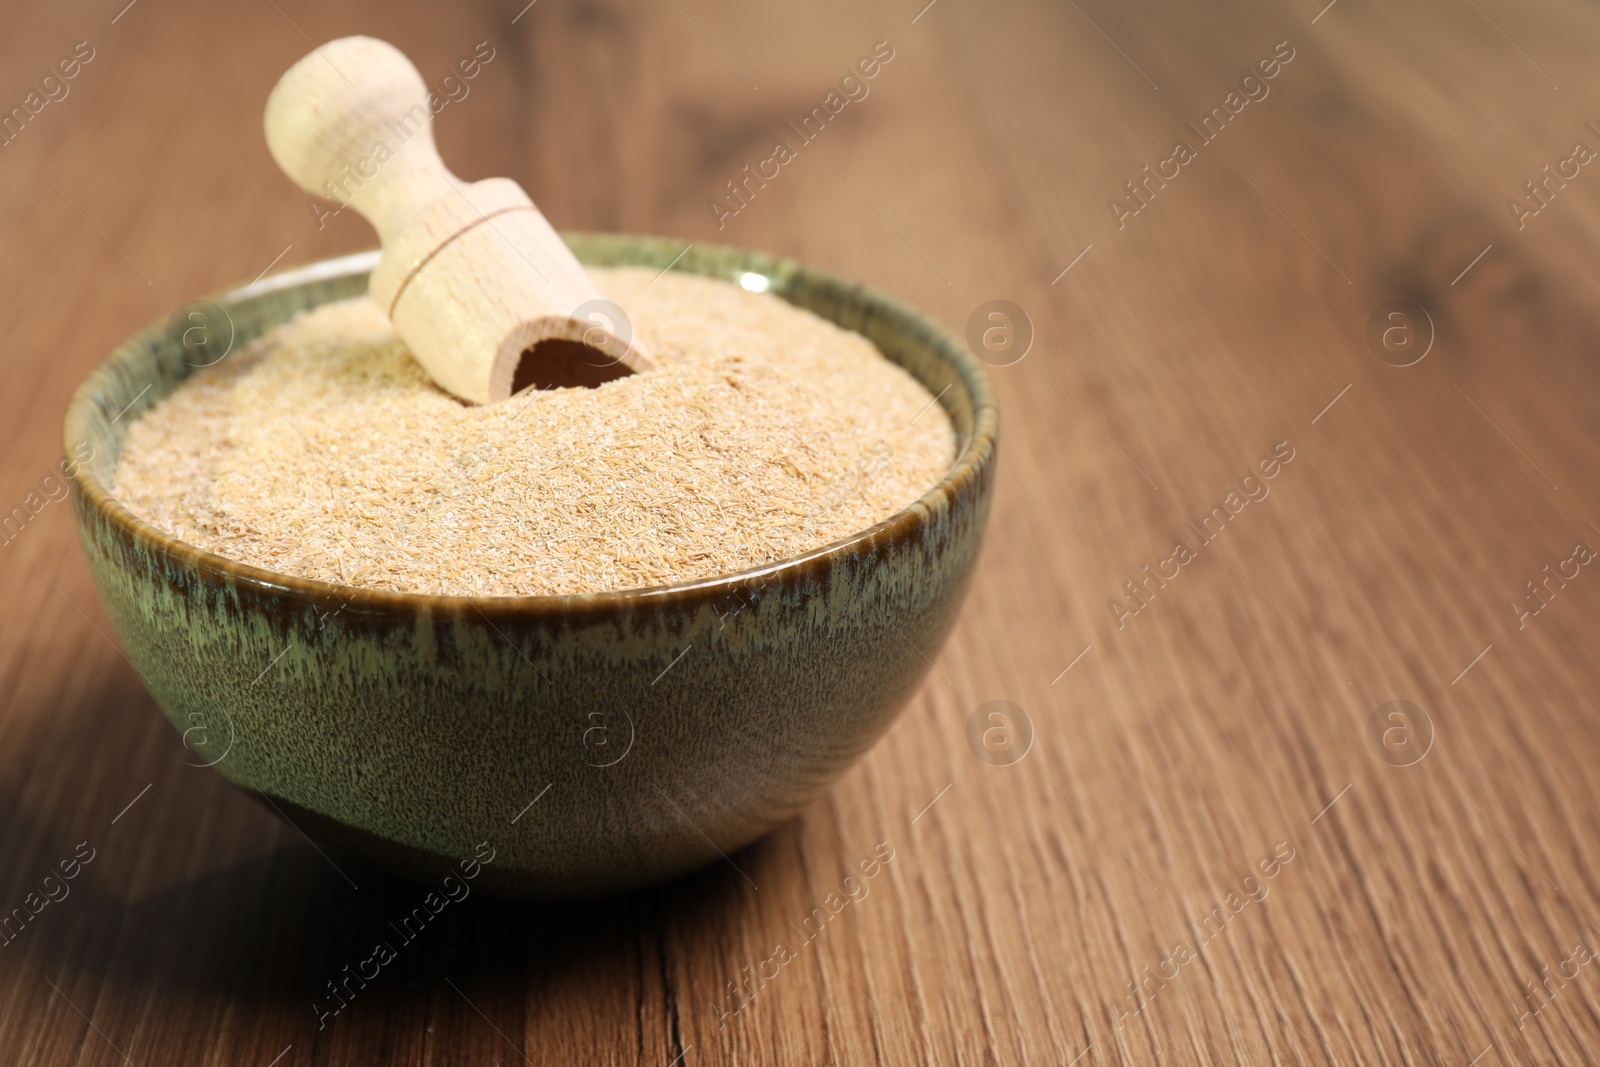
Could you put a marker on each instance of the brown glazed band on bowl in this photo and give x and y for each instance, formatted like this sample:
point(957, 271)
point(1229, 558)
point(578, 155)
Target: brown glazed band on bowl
point(656, 728)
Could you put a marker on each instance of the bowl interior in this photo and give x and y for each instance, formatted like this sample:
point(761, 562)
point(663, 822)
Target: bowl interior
point(150, 365)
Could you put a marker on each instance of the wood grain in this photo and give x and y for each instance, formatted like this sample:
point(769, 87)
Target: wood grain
point(1173, 750)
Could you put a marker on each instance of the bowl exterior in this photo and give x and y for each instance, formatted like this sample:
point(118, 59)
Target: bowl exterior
point(592, 744)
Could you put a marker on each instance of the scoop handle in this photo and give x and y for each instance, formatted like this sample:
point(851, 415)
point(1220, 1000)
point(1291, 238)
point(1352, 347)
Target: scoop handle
point(351, 122)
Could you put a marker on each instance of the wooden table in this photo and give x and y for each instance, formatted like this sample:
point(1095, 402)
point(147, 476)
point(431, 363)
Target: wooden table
point(1224, 843)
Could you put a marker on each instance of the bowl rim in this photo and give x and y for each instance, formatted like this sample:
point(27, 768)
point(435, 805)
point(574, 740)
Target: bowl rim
point(972, 458)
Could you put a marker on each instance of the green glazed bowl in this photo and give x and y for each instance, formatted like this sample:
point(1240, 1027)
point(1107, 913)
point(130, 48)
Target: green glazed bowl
point(597, 743)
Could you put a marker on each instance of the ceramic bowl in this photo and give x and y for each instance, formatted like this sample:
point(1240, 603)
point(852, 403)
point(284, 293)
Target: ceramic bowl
point(597, 743)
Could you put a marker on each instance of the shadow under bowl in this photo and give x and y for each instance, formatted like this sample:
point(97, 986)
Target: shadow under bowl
point(599, 742)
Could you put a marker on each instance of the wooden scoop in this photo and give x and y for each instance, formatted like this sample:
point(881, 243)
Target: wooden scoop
point(471, 275)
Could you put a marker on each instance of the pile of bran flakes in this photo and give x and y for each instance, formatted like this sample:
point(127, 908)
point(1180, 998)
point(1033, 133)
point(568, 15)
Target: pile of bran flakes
point(325, 451)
